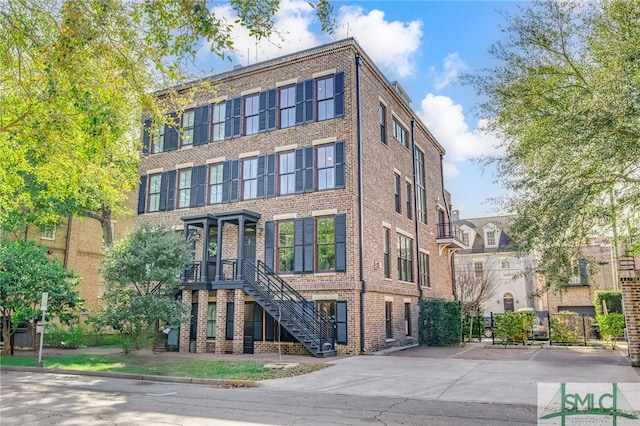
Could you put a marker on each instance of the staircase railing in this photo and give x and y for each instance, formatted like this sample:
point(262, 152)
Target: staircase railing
point(298, 315)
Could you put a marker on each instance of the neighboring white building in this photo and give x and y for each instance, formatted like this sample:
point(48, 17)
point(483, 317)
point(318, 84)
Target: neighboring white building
point(488, 250)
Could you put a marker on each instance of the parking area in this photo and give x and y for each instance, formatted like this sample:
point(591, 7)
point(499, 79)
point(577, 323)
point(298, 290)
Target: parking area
point(537, 353)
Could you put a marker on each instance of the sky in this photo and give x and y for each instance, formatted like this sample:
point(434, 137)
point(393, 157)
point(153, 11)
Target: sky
point(424, 45)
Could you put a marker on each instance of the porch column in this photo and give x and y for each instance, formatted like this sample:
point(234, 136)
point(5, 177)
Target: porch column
point(221, 320)
point(238, 321)
point(201, 326)
point(240, 248)
point(184, 327)
point(219, 251)
point(204, 272)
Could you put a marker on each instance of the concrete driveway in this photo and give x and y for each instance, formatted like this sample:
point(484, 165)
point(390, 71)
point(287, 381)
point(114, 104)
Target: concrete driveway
point(475, 373)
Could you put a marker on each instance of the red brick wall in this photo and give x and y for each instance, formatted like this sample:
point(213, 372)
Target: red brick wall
point(631, 305)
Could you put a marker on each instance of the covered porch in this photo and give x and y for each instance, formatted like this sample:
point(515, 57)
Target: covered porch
point(216, 253)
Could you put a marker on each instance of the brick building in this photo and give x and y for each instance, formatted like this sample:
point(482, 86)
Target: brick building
point(313, 200)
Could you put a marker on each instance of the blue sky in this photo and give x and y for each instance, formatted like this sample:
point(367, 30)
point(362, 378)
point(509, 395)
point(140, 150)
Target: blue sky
point(424, 45)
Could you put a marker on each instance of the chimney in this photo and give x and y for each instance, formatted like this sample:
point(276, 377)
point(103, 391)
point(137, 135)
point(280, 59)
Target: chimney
point(455, 215)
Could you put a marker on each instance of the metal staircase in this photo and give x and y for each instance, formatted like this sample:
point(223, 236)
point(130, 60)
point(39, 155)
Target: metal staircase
point(298, 316)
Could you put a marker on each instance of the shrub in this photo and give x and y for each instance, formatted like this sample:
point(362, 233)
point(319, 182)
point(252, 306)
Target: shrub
point(611, 327)
point(439, 322)
point(566, 327)
point(59, 336)
point(613, 300)
point(511, 327)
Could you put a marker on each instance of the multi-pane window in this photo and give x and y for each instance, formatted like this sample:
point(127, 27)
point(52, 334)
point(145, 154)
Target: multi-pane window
point(407, 319)
point(326, 167)
point(211, 320)
point(251, 114)
point(396, 188)
point(287, 106)
point(250, 178)
point(425, 279)
point(491, 238)
point(400, 133)
point(383, 124)
point(187, 127)
point(409, 200)
point(184, 188)
point(325, 98)
point(217, 122)
point(285, 246)
point(154, 192)
point(388, 315)
point(48, 232)
point(387, 255)
point(325, 244)
point(421, 195)
point(465, 238)
point(287, 172)
point(215, 183)
point(405, 263)
point(158, 139)
point(477, 266)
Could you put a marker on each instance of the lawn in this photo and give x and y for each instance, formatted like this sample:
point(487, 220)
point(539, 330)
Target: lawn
point(164, 366)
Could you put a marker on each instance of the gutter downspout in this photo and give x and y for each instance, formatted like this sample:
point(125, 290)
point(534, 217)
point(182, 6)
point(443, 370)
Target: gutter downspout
point(363, 283)
point(415, 204)
point(67, 244)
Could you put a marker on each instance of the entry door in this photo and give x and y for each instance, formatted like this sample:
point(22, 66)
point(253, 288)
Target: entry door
point(249, 244)
point(508, 303)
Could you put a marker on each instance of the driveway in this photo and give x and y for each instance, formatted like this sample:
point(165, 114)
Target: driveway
point(474, 373)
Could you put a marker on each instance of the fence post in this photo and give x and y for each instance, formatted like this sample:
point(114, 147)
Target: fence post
point(584, 330)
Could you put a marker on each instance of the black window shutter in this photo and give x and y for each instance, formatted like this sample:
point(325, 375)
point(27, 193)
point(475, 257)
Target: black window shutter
point(308, 244)
point(146, 137)
point(228, 119)
point(339, 174)
point(272, 111)
point(237, 117)
point(299, 170)
point(269, 327)
point(235, 181)
point(226, 181)
point(298, 250)
point(142, 194)
point(261, 176)
point(341, 242)
point(164, 186)
point(257, 322)
point(229, 328)
point(269, 243)
point(198, 186)
point(299, 103)
point(171, 133)
point(171, 190)
point(308, 169)
point(262, 111)
point(341, 322)
point(201, 125)
point(271, 175)
point(338, 94)
point(309, 87)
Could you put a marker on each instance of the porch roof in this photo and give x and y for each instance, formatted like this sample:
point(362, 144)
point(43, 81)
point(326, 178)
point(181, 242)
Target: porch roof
point(233, 216)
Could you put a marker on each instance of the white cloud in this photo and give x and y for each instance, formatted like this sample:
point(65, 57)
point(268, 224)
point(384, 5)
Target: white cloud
point(291, 33)
point(452, 65)
point(447, 123)
point(391, 45)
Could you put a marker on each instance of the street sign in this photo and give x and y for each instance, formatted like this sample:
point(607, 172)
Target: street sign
point(43, 304)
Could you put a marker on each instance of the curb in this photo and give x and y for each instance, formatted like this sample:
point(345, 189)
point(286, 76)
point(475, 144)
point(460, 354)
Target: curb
point(147, 377)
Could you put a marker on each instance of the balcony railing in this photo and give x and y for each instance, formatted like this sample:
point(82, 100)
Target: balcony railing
point(450, 231)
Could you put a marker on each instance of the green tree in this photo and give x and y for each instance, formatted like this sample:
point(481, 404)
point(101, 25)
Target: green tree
point(611, 327)
point(565, 100)
point(25, 273)
point(143, 271)
point(76, 76)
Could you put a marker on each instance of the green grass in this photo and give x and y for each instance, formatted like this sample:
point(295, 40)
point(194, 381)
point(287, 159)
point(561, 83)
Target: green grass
point(163, 366)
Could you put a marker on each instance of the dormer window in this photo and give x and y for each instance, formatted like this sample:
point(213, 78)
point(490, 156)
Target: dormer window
point(491, 235)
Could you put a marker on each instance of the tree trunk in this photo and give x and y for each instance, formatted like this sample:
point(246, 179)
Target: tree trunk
point(6, 335)
point(105, 222)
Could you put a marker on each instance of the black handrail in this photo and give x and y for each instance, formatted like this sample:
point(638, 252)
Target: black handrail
point(292, 306)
